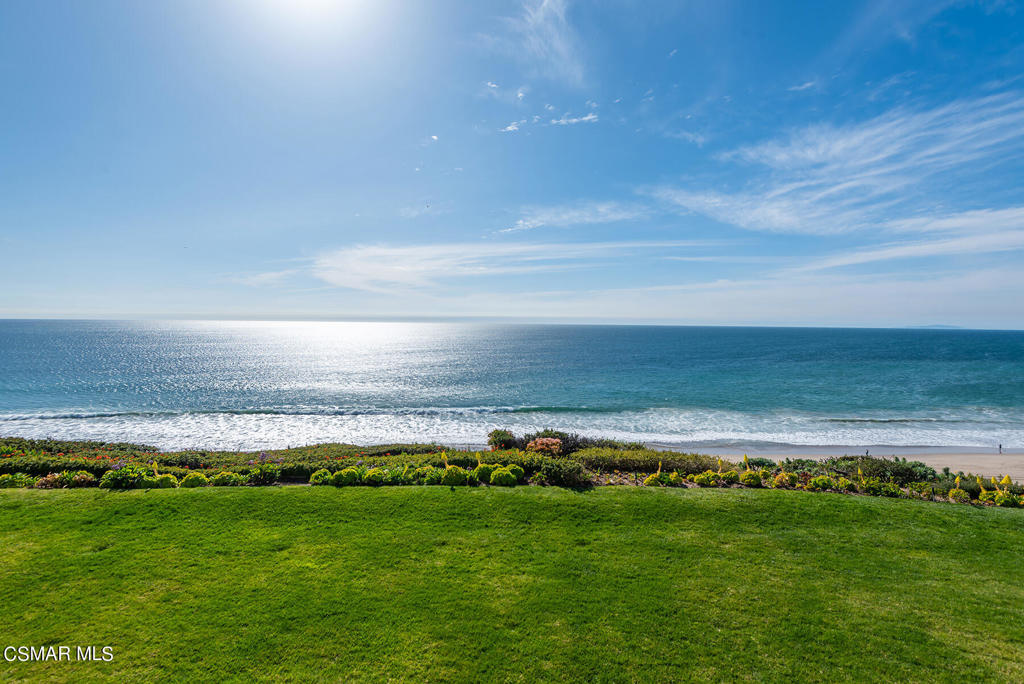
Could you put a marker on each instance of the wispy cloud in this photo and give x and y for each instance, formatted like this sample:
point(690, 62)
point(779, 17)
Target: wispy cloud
point(576, 214)
point(689, 136)
point(826, 179)
point(543, 38)
point(1006, 241)
point(803, 86)
point(385, 268)
point(976, 221)
point(568, 120)
point(513, 127)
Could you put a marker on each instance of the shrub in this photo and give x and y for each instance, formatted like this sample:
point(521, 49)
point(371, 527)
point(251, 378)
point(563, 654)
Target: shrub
point(730, 477)
point(166, 481)
point(483, 471)
point(750, 479)
point(83, 478)
point(987, 496)
point(785, 479)
point(127, 476)
point(454, 476)
point(898, 470)
point(501, 439)
point(16, 480)
point(561, 472)
point(545, 445)
point(846, 485)
point(759, 462)
point(320, 477)
point(226, 478)
point(433, 476)
point(517, 471)
point(921, 490)
point(959, 496)
point(653, 480)
point(871, 486)
point(51, 481)
point(644, 460)
point(1006, 499)
point(706, 479)
point(891, 489)
point(345, 478)
point(374, 477)
point(821, 483)
point(148, 482)
point(502, 477)
point(194, 480)
point(265, 474)
point(572, 442)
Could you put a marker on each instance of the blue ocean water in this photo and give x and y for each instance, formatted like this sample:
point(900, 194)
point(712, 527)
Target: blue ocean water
point(250, 385)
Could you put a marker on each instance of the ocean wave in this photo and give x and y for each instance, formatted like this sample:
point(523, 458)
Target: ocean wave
point(685, 428)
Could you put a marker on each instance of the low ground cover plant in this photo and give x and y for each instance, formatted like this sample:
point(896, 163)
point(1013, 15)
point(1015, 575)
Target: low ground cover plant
point(547, 458)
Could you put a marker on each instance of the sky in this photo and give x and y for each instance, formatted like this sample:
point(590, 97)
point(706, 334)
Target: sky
point(721, 162)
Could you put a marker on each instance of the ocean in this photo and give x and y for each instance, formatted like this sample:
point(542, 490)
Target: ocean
point(262, 385)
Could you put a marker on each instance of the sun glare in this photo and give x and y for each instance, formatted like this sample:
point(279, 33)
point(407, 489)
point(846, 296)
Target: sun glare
point(311, 16)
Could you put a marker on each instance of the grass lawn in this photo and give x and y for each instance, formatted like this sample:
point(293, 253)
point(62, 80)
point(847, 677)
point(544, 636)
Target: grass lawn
point(524, 584)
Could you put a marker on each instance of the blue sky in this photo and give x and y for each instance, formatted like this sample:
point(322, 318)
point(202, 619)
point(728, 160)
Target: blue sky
point(847, 163)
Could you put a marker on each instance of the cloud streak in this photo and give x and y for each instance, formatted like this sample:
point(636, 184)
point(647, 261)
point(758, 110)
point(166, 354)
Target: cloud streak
point(543, 37)
point(567, 120)
point(576, 214)
point(413, 268)
point(828, 179)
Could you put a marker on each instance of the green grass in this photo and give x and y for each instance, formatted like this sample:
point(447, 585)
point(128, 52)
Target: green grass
point(525, 584)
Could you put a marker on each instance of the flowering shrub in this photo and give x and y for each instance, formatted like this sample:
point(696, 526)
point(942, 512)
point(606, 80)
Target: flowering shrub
point(51, 481)
point(785, 479)
point(502, 477)
point(194, 480)
point(545, 445)
point(730, 477)
point(320, 477)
